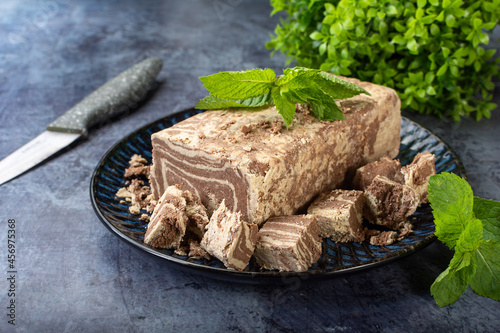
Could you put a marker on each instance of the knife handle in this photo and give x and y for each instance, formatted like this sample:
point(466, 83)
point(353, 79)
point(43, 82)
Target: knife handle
point(112, 98)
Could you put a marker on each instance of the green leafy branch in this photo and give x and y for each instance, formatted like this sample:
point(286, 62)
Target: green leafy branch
point(260, 87)
point(431, 52)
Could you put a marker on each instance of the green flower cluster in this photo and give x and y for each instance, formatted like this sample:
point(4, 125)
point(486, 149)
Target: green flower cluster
point(430, 51)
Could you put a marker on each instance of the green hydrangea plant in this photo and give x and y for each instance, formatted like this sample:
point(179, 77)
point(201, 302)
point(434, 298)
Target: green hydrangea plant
point(430, 51)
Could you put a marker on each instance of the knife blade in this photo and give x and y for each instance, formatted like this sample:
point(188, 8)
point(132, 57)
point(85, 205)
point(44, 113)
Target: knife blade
point(116, 96)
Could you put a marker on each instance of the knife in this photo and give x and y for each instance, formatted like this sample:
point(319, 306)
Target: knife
point(111, 99)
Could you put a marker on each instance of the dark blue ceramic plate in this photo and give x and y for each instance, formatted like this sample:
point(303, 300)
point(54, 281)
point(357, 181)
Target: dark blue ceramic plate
point(337, 258)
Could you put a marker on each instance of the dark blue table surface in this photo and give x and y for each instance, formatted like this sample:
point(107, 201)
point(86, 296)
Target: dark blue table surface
point(73, 275)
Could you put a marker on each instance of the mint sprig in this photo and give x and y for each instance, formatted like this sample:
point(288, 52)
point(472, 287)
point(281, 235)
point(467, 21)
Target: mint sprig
point(260, 87)
point(470, 226)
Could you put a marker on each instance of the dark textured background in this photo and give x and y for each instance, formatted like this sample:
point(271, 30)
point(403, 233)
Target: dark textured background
point(75, 276)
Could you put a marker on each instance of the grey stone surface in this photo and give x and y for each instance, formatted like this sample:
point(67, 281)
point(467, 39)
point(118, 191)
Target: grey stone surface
point(73, 275)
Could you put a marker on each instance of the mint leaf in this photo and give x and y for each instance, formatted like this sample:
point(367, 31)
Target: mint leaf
point(296, 78)
point(319, 89)
point(451, 201)
point(323, 106)
point(448, 287)
point(214, 103)
point(462, 260)
point(286, 108)
point(486, 281)
point(453, 282)
point(339, 88)
point(488, 211)
point(470, 238)
point(293, 95)
point(240, 84)
point(329, 110)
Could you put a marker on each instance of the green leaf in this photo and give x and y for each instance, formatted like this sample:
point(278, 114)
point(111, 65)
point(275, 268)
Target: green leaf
point(390, 72)
point(360, 31)
point(476, 23)
point(435, 29)
point(329, 8)
point(419, 14)
point(359, 12)
point(429, 77)
point(294, 96)
point(402, 64)
point(398, 39)
point(484, 38)
point(412, 45)
point(488, 26)
point(322, 48)
point(440, 17)
point(372, 12)
point(336, 28)
point(442, 70)
point(293, 78)
point(477, 66)
point(460, 52)
point(489, 7)
point(329, 19)
point(421, 93)
point(331, 111)
point(278, 5)
point(316, 35)
point(475, 41)
point(286, 108)
point(430, 91)
point(454, 71)
point(338, 88)
point(239, 84)
point(399, 27)
point(326, 109)
point(428, 19)
point(488, 211)
point(486, 280)
point(452, 283)
point(319, 89)
point(488, 54)
point(347, 24)
point(450, 20)
point(446, 51)
point(344, 54)
point(416, 78)
point(461, 260)
point(451, 201)
point(410, 33)
point(323, 106)
point(392, 10)
point(470, 237)
point(214, 103)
